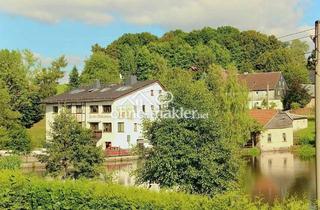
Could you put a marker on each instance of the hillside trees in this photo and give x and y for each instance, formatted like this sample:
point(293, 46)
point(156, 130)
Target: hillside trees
point(100, 66)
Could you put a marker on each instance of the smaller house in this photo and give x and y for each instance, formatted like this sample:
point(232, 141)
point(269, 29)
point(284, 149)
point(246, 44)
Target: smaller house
point(298, 121)
point(266, 89)
point(277, 133)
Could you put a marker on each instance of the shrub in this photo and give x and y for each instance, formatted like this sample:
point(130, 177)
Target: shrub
point(10, 162)
point(306, 151)
point(19, 192)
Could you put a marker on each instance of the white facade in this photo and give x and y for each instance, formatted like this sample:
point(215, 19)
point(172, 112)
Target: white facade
point(256, 99)
point(126, 117)
point(276, 139)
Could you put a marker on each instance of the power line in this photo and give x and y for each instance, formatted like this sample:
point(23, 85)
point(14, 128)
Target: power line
point(299, 32)
point(303, 37)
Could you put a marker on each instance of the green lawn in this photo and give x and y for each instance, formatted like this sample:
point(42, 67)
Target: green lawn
point(37, 134)
point(306, 135)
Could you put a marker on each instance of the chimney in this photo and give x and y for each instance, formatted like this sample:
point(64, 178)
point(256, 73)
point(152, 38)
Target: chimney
point(131, 80)
point(97, 84)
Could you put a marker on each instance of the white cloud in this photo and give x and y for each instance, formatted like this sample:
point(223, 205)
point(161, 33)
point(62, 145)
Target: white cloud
point(272, 16)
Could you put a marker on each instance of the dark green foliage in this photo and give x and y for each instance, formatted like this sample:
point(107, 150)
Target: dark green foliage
point(296, 94)
point(10, 162)
point(74, 79)
point(72, 151)
point(20, 192)
point(19, 141)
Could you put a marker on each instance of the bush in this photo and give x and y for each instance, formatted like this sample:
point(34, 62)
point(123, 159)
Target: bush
point(19, 192)
point(306, 151)
point(307, 140)
point(10, 162)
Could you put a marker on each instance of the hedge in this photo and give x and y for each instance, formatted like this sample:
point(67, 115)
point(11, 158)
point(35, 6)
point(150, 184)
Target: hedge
point(18, 191)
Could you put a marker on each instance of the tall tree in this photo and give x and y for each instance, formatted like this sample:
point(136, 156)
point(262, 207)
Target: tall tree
point(72, 151)
point(127, 61)
point(100, 66)
point(74, 79)
point(47, 78)
point(198, 154)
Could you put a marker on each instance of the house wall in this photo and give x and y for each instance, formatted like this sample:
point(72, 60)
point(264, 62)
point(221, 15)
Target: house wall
point(258, 104)
point(299, 124)
point(277, 142)
point(256, 98)
point(127, 109)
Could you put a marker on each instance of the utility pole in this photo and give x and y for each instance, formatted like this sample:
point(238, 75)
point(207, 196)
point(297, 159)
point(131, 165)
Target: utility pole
point(317, 106)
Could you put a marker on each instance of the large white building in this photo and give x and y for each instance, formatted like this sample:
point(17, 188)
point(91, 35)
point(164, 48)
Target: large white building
point(115, 112)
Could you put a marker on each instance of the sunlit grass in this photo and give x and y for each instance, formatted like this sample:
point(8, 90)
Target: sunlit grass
point(37, 134)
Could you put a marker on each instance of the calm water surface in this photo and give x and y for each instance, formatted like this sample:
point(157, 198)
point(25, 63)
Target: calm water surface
point(272, 175)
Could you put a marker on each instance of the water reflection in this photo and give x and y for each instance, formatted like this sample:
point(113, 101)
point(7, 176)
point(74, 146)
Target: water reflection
point(272, 175)
point(277, 175)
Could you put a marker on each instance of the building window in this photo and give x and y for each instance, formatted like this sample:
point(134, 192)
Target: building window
point(135, 127)
point(257, 92)
point(94, 109)
point(160, 107)
point(144, 108)
point(55, 109)
point(120, 127)
point(78, 109)
point(107, 127)
point(106, 108)
point(94, 126)
point(160, 91)
point(151, 92)
point(152, 107)
point(269, 137)
point(108, 145)
point(284, 137)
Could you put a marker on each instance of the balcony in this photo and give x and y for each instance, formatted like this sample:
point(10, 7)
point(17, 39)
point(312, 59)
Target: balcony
point(116, 151)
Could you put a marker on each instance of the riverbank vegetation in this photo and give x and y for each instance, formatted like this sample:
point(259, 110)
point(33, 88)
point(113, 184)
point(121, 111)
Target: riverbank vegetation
point(21, 192)
point(305, 140)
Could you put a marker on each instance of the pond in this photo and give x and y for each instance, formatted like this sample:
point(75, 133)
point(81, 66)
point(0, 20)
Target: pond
point(271, 175)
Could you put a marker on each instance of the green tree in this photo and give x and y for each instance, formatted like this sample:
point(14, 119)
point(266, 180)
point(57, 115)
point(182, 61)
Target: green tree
point(100, 66)
point(148, 64)
point(296, 94)
point(72, 151)
point(203, 57)
point(127, 61)
point(47, 78)
point(74, 79)
point(198, 155)
point(14, 72)
point(12, 135)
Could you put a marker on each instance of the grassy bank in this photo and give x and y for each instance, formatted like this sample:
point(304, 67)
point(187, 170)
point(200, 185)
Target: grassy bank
point(251, 151)
point(304, 140)
point(21, 192)
point(37, 134)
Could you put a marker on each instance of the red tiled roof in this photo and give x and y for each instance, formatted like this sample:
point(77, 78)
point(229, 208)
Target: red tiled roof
point(260, 81)
point(262, 116)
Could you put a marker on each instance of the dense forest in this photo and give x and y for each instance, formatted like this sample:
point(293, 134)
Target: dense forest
point(24, 82)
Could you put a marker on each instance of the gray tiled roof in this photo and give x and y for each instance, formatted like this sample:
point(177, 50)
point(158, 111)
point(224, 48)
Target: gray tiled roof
point(103, 93)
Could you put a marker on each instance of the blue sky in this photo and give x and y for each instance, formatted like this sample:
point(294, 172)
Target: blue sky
point(52, 28)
